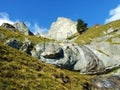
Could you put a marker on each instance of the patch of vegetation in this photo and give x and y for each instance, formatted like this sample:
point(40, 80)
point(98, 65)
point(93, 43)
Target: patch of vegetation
point(81, 26)
point(95, 32)
point(19, 71)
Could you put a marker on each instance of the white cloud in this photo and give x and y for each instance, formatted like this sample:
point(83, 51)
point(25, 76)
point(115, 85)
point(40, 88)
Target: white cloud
point(4, 18)
point(114, 14)
point(38, 29)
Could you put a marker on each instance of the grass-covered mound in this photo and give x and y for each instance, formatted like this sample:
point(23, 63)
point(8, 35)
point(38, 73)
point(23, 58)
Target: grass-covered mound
point(19, 71)
point(95, 32)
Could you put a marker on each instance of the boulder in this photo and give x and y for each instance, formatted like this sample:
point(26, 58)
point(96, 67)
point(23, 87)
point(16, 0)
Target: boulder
point(14, 43)
point(23, 28)
point(52, 51)
point(8, 26)
point(25, 46)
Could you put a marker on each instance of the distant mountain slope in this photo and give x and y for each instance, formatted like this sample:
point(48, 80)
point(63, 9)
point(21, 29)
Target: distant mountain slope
point(19, 71)
point(7, 34)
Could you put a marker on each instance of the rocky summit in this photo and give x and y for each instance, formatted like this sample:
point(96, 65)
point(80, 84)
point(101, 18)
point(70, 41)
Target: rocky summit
point(90, 61)
point(62, 29)
point(20, 26)
point(23, 28)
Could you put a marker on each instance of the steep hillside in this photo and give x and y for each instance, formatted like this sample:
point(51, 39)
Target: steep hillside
point(19, 71)
point(96, 31)
point(95, 52)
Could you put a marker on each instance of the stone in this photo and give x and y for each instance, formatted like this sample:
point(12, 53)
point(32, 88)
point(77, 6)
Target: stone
point(8, 26)
point(23, 28)
point(52, 51)
point(62, 29)
point(105, 83)
point(26, 46)
point(14, 43)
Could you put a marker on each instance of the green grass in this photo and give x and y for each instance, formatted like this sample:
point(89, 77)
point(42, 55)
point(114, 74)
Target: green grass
point(19, 71)
point(95, 32)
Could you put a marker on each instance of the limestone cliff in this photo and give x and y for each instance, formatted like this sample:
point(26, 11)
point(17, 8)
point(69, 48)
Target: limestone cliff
point(61, 29)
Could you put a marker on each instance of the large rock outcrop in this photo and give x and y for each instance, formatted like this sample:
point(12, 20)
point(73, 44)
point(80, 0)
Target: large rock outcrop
point(62, 29)
point(100, 56)
point(22, 28)
point(69, 56)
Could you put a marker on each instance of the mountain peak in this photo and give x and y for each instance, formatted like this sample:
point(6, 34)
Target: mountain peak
point(61, 29)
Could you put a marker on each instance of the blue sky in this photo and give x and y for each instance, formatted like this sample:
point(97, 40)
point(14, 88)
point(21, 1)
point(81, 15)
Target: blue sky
point(39, 14)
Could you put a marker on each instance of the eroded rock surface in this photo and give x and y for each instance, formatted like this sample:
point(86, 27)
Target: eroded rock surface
point(70, 56)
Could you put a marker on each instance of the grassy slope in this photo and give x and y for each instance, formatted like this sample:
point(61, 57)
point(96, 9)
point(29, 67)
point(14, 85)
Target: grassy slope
point(95, 32)
point(19, 71)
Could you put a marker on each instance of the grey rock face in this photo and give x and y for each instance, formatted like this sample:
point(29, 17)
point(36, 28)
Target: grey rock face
point(8, 26)
point(105, 83)
point(52, 51)
point(22, 28)
point(73, 57)
point(13, 43)
point(25, 46)
point(100, 56)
